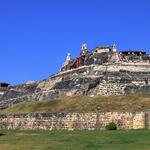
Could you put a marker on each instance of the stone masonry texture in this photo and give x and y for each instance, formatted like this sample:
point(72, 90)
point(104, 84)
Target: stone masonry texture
point(75, 121)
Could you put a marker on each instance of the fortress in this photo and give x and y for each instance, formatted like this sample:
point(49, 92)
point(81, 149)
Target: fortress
point(101, 71)
point(106, 54)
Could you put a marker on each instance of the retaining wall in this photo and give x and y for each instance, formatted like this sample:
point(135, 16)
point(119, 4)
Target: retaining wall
point(75, 121)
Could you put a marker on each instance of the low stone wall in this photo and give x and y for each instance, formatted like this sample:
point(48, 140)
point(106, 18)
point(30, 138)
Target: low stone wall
point(75, 121)
point(123, 66)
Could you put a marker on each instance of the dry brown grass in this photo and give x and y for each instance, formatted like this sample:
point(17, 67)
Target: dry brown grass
point(125, 103)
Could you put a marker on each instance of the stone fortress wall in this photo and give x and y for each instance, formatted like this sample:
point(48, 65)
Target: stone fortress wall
point(102, 71)
point(131, 67)
point(93, 80)
point(76, 121)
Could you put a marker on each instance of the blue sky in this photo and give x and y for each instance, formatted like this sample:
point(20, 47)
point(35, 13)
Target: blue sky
point(35, 35)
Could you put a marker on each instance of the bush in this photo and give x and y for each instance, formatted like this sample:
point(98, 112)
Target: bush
point(1, 134)
point(111, 126)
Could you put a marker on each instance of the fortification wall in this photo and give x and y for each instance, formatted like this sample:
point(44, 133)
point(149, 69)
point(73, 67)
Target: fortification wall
point(93, 80)
point(132, 67)
point(75, 121)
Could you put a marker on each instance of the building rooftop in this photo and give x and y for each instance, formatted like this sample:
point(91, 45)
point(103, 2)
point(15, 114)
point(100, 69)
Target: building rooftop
point(4, 84)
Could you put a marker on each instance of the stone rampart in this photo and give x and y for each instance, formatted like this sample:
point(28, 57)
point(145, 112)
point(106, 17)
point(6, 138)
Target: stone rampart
point(93, 80)
point(123, 66)
point(75, 121)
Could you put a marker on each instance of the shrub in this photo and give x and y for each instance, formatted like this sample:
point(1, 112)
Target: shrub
point(1, 134)
point(111, 126)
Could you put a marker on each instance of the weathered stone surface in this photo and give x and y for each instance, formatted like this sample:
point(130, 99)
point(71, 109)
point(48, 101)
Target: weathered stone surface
point(93, 80)
point(76, 121)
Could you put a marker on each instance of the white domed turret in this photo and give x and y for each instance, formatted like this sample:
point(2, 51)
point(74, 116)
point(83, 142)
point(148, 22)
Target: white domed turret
point(84, 49)
point(68, 59)
point(114, 48)
point(84, 46)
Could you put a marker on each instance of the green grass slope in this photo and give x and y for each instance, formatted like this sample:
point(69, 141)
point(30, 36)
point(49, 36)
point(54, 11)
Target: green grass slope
point(83, 104)
point(75, 140)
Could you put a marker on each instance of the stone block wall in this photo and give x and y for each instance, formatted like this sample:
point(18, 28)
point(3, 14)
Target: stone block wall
point(75, 121)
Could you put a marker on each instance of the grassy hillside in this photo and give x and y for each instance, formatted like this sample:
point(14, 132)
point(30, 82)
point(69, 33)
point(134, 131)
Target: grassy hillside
point(75, 140)
point(83, 104)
